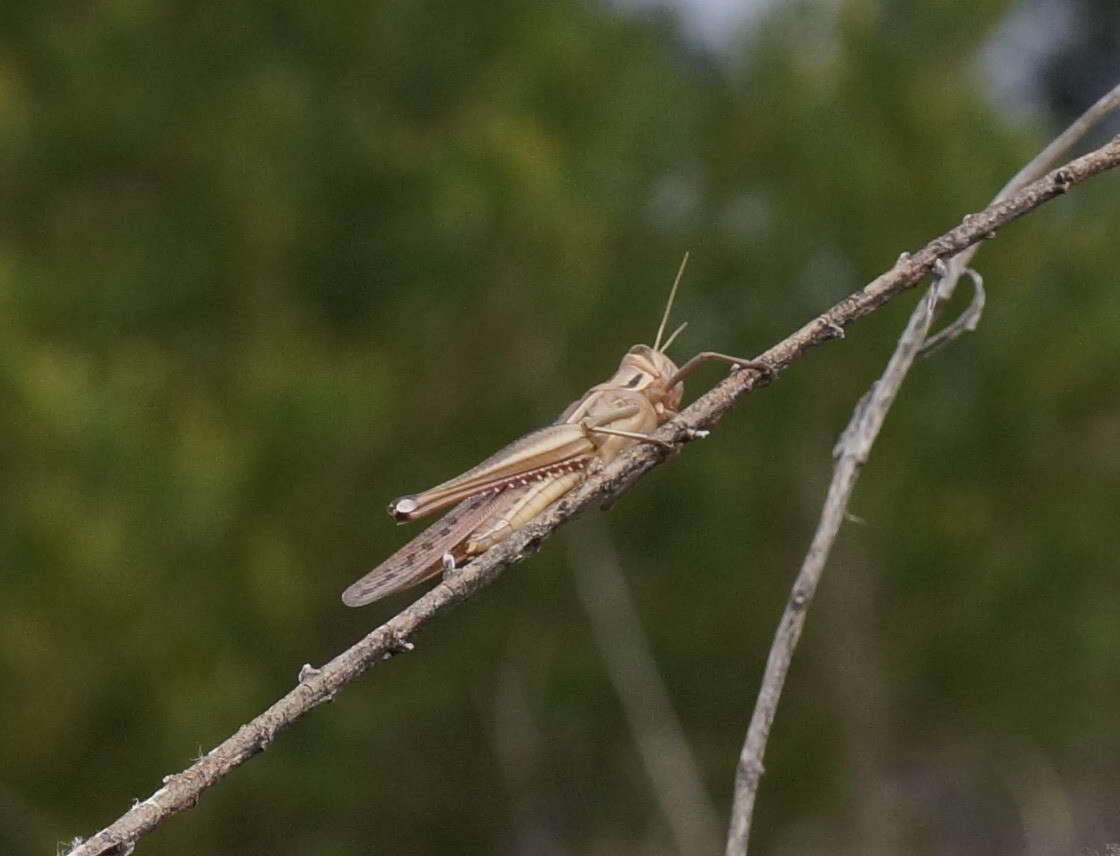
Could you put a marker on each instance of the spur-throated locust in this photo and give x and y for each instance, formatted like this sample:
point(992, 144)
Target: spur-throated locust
point(509, 489)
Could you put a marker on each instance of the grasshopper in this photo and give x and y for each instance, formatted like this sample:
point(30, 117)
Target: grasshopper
point(510, 488)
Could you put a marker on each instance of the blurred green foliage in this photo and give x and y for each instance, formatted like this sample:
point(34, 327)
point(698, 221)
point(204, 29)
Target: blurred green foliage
point(264, 266)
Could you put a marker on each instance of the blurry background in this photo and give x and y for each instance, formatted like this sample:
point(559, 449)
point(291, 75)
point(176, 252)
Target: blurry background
point(264, 266)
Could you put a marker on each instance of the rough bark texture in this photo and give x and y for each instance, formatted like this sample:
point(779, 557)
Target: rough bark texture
point(182, 790)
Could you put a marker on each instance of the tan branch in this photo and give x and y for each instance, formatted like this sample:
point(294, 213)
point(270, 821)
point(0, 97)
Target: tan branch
point(182, 790)
point(851, 453)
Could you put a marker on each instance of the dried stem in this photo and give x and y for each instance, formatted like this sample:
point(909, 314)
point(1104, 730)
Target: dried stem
point(851, 453)
point(182, 790)
point(666, 757)
point(1039, 164)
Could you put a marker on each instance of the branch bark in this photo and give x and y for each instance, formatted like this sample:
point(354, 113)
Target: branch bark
point(182, 790)
point(851, 453)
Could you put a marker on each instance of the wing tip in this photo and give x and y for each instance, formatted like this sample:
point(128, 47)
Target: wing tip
point(404, 508)
point(350, 597)
point(374, 586)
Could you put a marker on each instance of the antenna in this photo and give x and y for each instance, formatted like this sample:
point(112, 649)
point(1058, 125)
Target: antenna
point(669, 306)
point(676, 333)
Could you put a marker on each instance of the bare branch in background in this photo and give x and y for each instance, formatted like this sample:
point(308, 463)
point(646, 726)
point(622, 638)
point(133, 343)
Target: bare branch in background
point(966, 322)
point(182, 790)
point(1038, 165)
point(517, 745)
point(668, 762)
point(851, 452)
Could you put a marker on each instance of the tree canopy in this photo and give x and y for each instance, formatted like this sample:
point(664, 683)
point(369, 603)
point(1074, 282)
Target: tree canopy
point(264, 266)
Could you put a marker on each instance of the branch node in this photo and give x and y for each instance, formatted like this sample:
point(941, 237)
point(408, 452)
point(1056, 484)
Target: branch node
point(968, 218)
point(396, 644)
point(748, 772)
point(266, 735)
point(308, 673)
point(1062, 180)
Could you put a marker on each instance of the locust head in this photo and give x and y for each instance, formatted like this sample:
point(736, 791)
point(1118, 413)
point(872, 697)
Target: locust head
point(649, 372)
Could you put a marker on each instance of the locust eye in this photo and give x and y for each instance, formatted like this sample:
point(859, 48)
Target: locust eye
point(634, 381)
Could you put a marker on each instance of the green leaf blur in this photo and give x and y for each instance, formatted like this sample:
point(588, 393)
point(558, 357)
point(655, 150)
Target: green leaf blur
point(264, 266)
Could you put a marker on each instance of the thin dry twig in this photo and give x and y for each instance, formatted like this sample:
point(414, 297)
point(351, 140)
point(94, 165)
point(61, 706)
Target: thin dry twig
point(518, 746)
point(1061, 145)
point(668, 761)
point(1039, 164)
point(851, 453)
point(182, 790)
point(966, 322)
